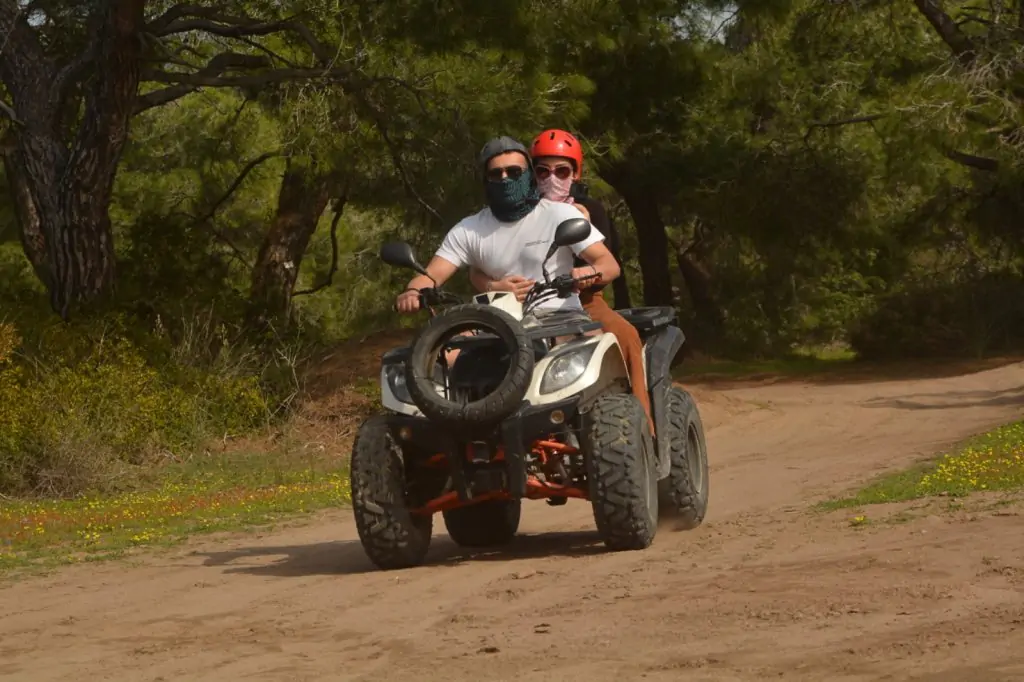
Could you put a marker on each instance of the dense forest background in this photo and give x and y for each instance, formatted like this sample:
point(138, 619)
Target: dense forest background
point(196, 193)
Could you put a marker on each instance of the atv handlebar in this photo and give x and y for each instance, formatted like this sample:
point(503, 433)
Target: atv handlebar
point(561, 287)
point(432, 296)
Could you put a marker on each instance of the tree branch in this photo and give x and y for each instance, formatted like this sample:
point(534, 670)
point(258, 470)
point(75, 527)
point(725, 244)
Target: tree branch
point(339, 207)
point(970, 160)
point(982, 163)
point(216, 66)
point(270, 53)
point(283, 75)
point(229, 127)
point(184, 18)
point(248, 168)
point(322, 52)
point(866, 118)
point(71, 71)
point(956, 39)
point(396, 156)
point(175, 13)
point(10, 113)
point(22, 58)
point(238, 29)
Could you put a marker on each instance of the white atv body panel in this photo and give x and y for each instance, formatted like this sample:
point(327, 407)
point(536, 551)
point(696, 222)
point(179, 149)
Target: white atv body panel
point(605, 367)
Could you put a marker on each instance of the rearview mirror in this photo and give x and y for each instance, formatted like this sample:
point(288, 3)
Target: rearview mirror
point(568, 232)
point(400, 255)
point(571, 231)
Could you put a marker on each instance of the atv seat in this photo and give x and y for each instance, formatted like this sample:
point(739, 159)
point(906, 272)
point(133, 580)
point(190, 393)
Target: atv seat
point(649, 319)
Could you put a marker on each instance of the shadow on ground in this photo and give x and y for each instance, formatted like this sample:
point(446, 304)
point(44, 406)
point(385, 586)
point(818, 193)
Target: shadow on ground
point(348, 557)
point(838, 372)
point(950, 400)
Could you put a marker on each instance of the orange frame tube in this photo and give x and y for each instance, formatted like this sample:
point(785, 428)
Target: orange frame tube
point(535, 488)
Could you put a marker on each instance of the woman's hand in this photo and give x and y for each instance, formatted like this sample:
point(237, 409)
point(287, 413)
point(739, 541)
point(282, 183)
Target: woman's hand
point(520, 286)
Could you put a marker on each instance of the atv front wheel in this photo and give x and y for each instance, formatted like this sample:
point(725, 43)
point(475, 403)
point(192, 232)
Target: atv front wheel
point(485, 524)
point(622, 473)
point(392, 537)
point(684, 492)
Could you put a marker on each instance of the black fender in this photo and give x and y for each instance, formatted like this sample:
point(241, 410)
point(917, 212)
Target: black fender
point(661, 351)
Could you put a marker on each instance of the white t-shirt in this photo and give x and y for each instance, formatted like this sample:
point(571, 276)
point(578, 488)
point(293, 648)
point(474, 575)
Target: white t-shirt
point(505, 249)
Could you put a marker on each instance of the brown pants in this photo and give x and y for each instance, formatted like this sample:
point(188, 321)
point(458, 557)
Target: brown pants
point(629, 341)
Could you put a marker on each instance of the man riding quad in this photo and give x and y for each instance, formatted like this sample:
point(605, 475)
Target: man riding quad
point(541, 406)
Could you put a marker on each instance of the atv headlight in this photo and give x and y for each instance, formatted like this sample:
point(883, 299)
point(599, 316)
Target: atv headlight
point(396, 382)
point(566, 368)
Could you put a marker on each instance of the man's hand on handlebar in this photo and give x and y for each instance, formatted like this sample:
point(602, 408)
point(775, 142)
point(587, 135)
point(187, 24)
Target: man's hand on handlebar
point(408, 301)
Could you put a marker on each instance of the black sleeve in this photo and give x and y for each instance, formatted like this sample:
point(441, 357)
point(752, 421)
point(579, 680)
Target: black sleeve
point(600, 219)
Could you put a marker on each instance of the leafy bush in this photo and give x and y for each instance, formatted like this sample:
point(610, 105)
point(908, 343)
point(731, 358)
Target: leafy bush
point(83, 408)
point(957, 316)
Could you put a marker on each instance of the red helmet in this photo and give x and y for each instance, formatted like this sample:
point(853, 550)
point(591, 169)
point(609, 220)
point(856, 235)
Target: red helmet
point(558, 143)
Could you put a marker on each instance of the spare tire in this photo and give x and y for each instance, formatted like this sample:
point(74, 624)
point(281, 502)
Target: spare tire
point(492, 408)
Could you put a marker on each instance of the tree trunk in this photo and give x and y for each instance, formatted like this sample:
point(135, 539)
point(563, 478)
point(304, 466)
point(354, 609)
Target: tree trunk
point(30, 230)
point(653, 246)
point(620, 285)
point(620, 288)
point(709, 316)
point(65, 178)
point(305, 191)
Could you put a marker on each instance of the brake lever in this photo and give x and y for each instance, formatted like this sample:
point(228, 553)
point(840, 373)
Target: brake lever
point(564, 285)
point(574, 282)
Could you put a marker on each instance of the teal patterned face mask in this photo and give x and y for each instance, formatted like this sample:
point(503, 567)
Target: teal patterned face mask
point(512, 199)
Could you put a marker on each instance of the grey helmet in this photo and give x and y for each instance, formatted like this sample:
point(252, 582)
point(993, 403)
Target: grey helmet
point(502, 145)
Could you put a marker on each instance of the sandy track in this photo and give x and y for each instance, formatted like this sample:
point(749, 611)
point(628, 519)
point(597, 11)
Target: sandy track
point(763, 590)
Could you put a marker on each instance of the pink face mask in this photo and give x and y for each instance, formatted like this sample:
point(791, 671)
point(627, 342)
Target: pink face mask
point(554, 189)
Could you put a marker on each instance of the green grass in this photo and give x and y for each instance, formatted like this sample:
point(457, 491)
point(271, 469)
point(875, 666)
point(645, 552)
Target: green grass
point(992, 461)
point(223, 494)
point(800, 363)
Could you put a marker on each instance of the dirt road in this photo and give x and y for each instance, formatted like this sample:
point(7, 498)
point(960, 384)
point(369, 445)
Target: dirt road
point(765, 589)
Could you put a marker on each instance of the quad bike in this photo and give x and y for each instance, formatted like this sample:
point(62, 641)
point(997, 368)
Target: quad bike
point(533, 407)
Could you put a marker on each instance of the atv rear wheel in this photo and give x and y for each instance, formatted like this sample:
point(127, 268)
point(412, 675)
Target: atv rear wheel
point(684, 492)
point(391, 536)
point(485, 524)
point(622, 473)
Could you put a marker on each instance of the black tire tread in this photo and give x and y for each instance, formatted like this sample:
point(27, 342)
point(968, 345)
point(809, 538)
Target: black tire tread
point(619, 467)
point(680, 498)
point(392, 537)
point(485, 524)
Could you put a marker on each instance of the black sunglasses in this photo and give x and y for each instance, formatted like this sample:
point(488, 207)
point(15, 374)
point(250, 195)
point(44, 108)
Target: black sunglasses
point(513, 172)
